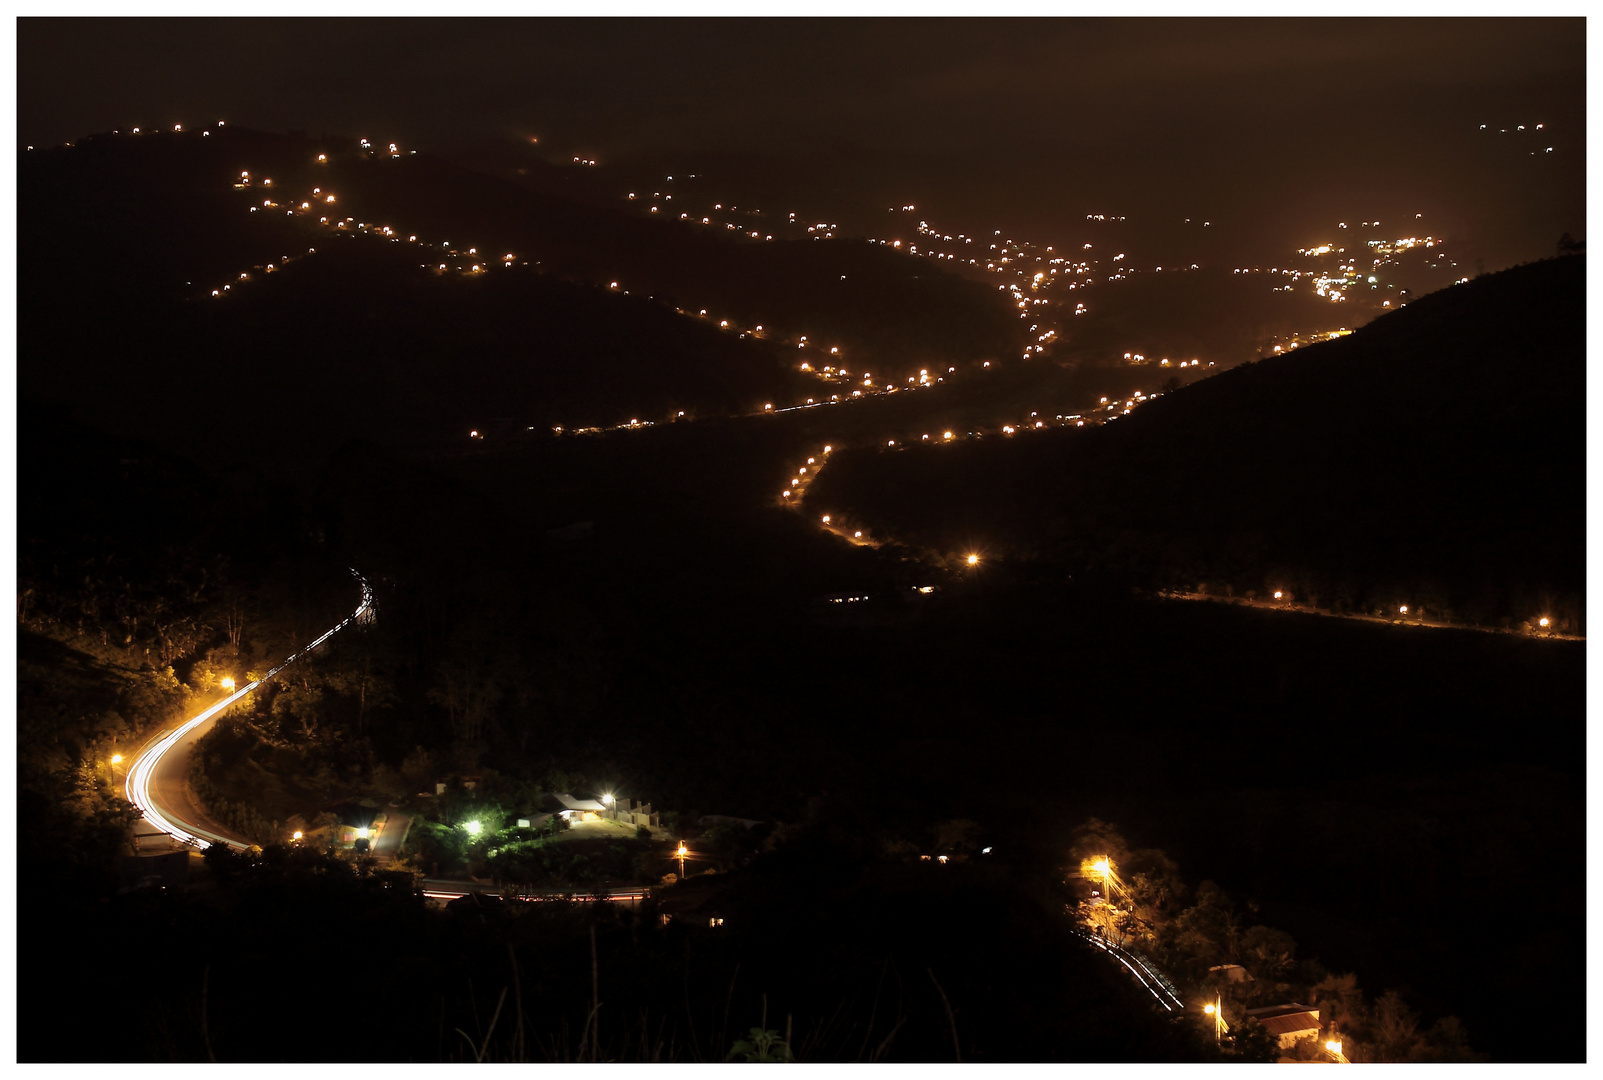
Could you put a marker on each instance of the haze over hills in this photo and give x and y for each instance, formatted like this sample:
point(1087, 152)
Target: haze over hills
point(137, 236)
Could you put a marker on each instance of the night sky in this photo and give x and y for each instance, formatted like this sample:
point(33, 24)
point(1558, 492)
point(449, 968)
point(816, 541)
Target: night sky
point(1025, 125)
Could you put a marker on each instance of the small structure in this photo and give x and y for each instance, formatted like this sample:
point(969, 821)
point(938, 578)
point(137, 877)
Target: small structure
point(575, 809)
point(626, 810)
point(1289, 1022)
point(1230, 973)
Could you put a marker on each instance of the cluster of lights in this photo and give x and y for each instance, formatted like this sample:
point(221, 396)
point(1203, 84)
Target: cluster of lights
point(468, 264)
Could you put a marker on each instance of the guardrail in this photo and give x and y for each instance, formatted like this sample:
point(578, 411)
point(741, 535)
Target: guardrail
point(1145, 971)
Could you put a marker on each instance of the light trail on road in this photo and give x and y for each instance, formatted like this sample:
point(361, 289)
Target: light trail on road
point(1157, 984)
point(140, 773)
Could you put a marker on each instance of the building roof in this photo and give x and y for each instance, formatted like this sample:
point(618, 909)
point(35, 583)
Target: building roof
point(570, 803)
point(1287, 1019)
point(1231, 973)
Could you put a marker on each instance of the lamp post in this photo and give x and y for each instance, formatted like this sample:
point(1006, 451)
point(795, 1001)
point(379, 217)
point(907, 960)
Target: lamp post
point(116, 760)
point(681, 853)
point(1216, 1010)
point(1105, 868)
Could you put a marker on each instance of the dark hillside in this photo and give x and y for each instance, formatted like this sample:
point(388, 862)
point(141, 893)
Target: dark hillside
point(125, 238)
point(1435, 457)
point(847, 292)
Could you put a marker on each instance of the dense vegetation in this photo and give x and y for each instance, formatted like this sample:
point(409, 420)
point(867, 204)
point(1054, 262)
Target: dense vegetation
point(1008, 700)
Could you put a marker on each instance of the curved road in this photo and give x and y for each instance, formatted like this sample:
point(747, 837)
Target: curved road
point(158, 778)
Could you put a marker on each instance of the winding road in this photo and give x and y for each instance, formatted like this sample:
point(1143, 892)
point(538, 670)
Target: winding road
point(157, 779)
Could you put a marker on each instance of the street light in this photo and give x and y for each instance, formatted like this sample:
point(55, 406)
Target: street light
point(1216, 1011)
point(297, 835)
point(682, 852)
point(473, 828)
point(228, 683)
point(974, 560)
point(1105, 868)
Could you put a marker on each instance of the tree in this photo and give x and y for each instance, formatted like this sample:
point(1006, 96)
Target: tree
point(418, 770)
point(1250, 1041)
point(1340, 1001)
point(1268, 953)
point(1393, 1029)
point(1446, 1041)
point(467, 692)
point(302, 701)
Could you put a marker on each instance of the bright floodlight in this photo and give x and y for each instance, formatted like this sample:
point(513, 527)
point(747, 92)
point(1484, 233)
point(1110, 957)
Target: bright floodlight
point(1334, 1046)
point(1542, 621)
point(297, 835)
point(973, 560)
point(362, 833)
point(228, 682)
point(1208, 1009)
point(116, 759)
point(1100, 866)
point(473, 827)
point(606, 799)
